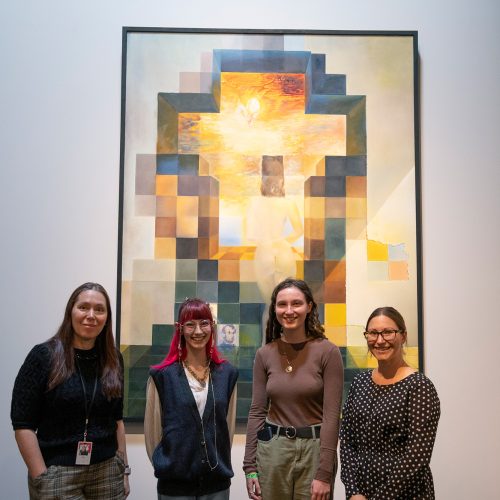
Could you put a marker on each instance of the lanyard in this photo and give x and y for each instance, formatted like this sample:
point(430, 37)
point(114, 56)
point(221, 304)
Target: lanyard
point(88, 408)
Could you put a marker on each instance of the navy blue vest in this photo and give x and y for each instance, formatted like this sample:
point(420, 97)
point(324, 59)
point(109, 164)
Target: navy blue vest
point(180, 460)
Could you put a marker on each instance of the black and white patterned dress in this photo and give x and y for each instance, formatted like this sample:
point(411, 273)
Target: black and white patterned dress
point(386, 438)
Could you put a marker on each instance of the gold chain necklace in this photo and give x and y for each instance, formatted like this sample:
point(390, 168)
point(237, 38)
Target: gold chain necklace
point(202, 380)
point(289, 367)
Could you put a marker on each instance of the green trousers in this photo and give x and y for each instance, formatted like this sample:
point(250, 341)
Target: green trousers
point(287, 467)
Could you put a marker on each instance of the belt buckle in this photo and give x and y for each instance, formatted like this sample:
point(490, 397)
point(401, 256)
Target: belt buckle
point(289, 430)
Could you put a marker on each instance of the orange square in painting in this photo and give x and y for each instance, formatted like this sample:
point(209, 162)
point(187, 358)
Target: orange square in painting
point(187, 206)
point(317, 228)
point(187, 227)
point(337, 335)
point(315, 208)
point(203, 167)
point(214, 207)
point(398, 271)
point(355, 187)
point(355, 207)
point(165, 227)
point(203, 248)
point(335, 270)
point(335, 208)
point(204, 206)
point(320, 167)
point(247, 271)
point(213, 248)
point(164, 248)
point(299, 266)
point(334, 292)
point(355, 229)
point(229, 270)
point(166, 206)
point(166, 185)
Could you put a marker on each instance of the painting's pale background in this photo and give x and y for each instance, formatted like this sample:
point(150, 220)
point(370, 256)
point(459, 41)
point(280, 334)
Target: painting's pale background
point(59, 163)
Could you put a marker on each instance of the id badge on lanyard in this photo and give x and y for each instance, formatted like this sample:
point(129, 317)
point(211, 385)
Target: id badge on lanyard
point(84, 448)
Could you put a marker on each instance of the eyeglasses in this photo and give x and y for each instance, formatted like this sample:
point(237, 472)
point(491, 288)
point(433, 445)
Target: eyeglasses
point(372, 335)
point(190, 326)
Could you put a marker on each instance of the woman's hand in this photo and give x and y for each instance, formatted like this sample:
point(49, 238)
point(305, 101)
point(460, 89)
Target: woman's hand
point(253, 488)
point(320, 490)
point(358, 497)
point(126, 485)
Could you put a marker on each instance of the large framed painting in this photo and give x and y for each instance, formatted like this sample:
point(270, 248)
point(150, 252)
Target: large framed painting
point(249, 156)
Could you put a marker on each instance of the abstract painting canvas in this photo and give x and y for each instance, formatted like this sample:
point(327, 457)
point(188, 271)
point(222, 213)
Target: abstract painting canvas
point(249, 156)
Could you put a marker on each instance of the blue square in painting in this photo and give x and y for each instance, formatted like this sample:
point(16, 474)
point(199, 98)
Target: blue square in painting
point(334, 239)
point(397, 252)
point(229, 292)
point(207, 290)
point(314, 270)
point(208, 270)
point(167, 164)
point(250, 314)
point(335, 186)
point(345, 165)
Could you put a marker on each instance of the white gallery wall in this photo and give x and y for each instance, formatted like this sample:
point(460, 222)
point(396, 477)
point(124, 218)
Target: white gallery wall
point(60, 89)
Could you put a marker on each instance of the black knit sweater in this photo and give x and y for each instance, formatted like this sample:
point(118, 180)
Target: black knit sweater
point(58, 415)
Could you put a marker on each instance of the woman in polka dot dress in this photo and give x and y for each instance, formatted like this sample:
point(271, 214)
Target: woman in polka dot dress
point(389, 421)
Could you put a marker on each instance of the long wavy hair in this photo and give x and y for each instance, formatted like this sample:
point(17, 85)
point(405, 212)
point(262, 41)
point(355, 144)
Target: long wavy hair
point(192, 308)
point(313, 327)
point(63, 354)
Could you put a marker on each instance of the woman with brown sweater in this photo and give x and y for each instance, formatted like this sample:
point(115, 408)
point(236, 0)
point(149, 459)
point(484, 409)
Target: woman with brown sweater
point(293, 424)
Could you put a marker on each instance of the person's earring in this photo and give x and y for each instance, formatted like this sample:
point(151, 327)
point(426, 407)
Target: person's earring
point(179, 348)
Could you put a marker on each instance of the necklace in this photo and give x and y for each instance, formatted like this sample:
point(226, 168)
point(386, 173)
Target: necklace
point(201, 380)
point(212, 467)
point(289, 367)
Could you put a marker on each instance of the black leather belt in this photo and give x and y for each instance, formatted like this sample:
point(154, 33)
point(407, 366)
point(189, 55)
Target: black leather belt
point(296, 432)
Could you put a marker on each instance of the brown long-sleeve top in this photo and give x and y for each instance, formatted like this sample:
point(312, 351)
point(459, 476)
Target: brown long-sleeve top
point(310, 394)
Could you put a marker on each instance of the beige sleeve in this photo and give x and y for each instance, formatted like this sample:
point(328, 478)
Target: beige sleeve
point(152, 419)
point(231, 414)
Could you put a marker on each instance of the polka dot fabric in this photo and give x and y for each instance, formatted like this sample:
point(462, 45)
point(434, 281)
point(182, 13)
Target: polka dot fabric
point(386, 438)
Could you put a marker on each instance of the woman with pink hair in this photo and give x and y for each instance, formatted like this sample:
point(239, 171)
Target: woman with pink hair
point(189, 420)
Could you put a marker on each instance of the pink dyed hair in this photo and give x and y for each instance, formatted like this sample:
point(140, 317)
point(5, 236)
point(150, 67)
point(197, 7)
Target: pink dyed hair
point(191, 309)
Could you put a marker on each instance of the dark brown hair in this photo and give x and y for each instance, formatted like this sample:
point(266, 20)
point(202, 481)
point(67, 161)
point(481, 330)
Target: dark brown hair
point(390, 313)
point(63, 354)
point(313, 326)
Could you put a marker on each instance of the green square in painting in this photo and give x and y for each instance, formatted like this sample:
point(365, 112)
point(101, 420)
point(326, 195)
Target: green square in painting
point(184, 289)
point(250, 335)
point(228, 313)
point(249, 292)
point(186, 270)
point(162, 334)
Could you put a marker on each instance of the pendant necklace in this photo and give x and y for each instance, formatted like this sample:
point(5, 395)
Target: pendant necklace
point(289, 367)
point(201, 380)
